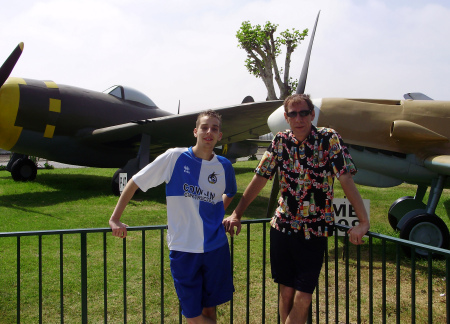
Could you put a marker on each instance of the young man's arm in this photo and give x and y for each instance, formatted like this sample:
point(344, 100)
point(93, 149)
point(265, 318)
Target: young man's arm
point(255, 186)
point(226, 200)
point(356, 233)
point(119, 229)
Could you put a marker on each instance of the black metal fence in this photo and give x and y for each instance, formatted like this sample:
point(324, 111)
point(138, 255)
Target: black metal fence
point(87, 275)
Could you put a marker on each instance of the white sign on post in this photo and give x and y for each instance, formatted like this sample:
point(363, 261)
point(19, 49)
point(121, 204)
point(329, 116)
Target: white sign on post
point(122, 181)
point(345, 214)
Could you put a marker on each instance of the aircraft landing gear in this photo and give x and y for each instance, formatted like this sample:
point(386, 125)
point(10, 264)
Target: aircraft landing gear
point(401, 207)
point(404, 205)
point(134, 165)
point(418, 222)
point(115, 182)
point(425, 229)
point(22, 168)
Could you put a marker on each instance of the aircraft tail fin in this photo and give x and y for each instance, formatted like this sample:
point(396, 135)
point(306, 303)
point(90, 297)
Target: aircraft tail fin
point(416, 96)
point(248, 99)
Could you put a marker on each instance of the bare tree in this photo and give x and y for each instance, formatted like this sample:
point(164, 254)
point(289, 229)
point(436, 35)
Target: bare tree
point(262, 51)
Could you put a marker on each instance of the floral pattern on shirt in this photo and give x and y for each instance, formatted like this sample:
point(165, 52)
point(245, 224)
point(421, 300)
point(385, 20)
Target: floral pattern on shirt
point(306, 176)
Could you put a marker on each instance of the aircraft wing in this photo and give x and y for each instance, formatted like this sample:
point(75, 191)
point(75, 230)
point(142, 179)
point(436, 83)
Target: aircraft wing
point(239, 123)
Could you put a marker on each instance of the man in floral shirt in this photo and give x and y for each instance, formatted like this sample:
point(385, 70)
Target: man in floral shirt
point(308, 159)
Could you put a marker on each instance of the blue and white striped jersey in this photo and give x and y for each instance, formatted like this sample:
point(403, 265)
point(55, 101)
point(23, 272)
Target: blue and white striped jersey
point(194, 189)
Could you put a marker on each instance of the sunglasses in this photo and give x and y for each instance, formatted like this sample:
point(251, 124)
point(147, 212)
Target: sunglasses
point(301, 113)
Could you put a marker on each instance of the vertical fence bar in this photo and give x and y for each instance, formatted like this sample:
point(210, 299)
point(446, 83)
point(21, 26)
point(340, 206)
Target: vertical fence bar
point(358, 283)
point(413, 285)
point(61, 277)
point(309, 318)
point(336, 276)
point(370, 279)
point(317, 303)
point(83, 255)
point(278, 304)
point(18, 279)
point(383, 280)
point(447, 287)
point(398, 285)
point(144, 311)
point(105, 281)
point(248, 275)
point(430, 288)
point(232, 271)
point(124, 260)
point(263, 288)
point(347, 279)
point(40, 278)
point(162, 274)
point(326, 284)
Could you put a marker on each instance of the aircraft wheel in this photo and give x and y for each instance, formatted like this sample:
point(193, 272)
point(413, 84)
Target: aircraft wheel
point(401, 207)
point(425, 229)
point(24, 170)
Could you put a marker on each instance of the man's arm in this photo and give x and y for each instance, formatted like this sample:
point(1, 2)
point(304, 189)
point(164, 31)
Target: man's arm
point(356, 233)
point(251, 192)
point(119, 229)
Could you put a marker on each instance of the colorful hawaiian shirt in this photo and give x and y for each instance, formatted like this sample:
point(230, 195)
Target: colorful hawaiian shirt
point(306, 172)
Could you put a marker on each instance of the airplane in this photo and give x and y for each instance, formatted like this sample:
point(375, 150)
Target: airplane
point(118, 128)
point(392, 142)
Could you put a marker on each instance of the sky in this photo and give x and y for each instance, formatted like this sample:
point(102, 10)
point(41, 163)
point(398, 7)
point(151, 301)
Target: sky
point(186, 50)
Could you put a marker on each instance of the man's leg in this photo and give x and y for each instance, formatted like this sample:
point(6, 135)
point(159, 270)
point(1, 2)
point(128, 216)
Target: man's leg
point(294, 305)
point(286, 301)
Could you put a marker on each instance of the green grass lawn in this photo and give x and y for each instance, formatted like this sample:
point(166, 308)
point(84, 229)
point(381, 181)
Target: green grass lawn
point(82, 198)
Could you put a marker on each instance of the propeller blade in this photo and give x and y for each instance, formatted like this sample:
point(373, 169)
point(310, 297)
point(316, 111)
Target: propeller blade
point(302, 81)
point(8, 66)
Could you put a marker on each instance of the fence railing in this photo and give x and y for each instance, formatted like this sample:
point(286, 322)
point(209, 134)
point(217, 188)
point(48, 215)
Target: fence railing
point(86, 275)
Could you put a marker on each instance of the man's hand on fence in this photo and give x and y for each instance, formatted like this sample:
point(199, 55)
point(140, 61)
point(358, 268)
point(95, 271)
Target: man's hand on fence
point(357, 232)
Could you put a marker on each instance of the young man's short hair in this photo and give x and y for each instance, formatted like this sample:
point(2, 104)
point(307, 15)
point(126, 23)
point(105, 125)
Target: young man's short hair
point(209, 113)
point(296, 99)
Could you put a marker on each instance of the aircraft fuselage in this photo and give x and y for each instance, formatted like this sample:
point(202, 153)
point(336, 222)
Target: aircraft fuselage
point(44, 119)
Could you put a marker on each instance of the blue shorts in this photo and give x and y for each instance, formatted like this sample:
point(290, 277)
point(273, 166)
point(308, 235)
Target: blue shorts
point(202, 279)
point(295, 261)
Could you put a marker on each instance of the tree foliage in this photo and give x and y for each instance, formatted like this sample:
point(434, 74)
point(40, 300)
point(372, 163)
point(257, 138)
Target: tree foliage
point(263, 48)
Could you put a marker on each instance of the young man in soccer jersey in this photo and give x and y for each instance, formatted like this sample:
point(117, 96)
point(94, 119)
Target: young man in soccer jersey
point(307, 159)
point(199, 187)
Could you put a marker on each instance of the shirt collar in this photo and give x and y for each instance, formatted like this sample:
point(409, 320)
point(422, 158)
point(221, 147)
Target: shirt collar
point(310, 137)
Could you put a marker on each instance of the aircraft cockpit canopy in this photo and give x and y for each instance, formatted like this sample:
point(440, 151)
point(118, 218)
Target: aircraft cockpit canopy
point(130, 94)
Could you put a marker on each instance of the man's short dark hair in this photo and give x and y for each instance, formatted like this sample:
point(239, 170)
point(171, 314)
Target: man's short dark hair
point(296, 99)
point(209, 113)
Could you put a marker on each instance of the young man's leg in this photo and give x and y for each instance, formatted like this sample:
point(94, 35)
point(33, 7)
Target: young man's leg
point(202, 281)
point(208, 317)
point(210, 312)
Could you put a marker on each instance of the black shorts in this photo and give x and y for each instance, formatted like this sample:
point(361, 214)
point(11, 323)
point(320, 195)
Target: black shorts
point(296, 262)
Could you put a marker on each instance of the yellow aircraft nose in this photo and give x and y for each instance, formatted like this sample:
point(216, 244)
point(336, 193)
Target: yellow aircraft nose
point(9, 106)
